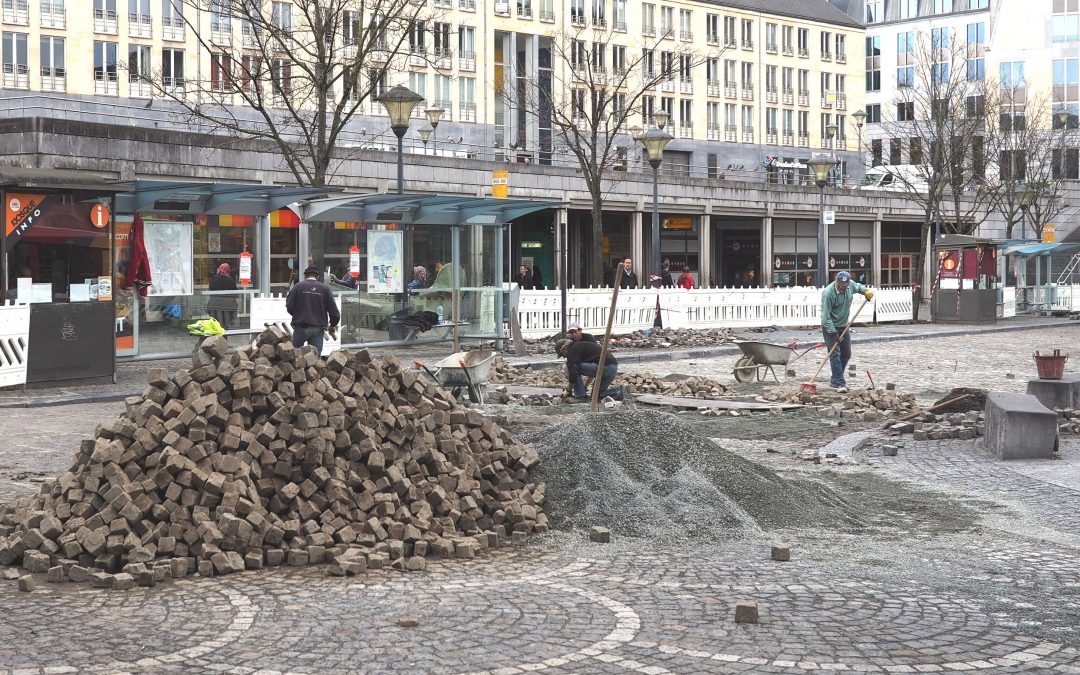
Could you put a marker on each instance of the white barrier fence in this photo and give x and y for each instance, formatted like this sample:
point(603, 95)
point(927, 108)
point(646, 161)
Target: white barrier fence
point(1057, 298)
point(14, 343)
point(539, 312)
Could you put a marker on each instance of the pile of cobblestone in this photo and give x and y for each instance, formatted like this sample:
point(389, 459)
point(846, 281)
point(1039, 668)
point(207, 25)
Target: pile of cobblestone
point(936, 427)
point(867, 403)
point(646, 339)
point(272, 456)
point(1068, 420)
point(646, 473)
point(503, 372)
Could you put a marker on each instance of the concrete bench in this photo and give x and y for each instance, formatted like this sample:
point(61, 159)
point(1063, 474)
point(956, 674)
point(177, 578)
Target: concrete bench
point(1018, 426)
point(1063, 393)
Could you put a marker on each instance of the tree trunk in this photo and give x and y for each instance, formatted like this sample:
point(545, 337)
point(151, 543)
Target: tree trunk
point(596, 259)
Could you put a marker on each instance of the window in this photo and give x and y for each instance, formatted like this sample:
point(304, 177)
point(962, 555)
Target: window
point(667, 64)
point(220, 21)
point(747, 76)
point(826, 86)
point(417, 35)
point(826, 45)
point(577, 12)
point(53, 70)
point(789, 122)
point(139, 63)
point(686, 24)
point(667, 21)
point(578, 54)
point(172, 67)
point(618, 59)
point(16, 61)
point(873, 11)
point(105, 16)
point(619, 11)
point(467, 98)
point(804, 123)
point(895, 151)
point(686, 114)
point(712, 115)
point(648, 19)
point(841, 47)
point(172, 13)
point(915, 155)
point(771, 125)
point(1066, 92)
point(712, 70)
point(686, 67)
point(1012, 74)
point(729, 31)
point(221, 76)
point(905, 111)
point(909, 9)
point(467, 45)
point(873, 63)
point(524, 8)
point(441, 34)
point(943, 6)
point(599, 54)
point(648, 63)
point(873, 113)
point(1012, 164)
point(975, 106)
point(442, 91)
point(599, 13)
point(804, 82)
point(771, 41)
point(905, 59)
point(648, 106)
point(976, 49)
point(104, 61)
point(804, 42)
point(939, 38)
point(770, 79)
point(1065, 26)
point(577, 104)
point(1067, 165)
point(875, 152)
point(712, 28)
point(747, 33)
point(350, 28)
point(787, 36)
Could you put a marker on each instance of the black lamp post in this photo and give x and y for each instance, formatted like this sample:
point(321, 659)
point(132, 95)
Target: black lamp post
point(1025, 196)
point(860, 118)
point(1063, 120)
point(821, 166)
point(655, 140)
point(399, 102)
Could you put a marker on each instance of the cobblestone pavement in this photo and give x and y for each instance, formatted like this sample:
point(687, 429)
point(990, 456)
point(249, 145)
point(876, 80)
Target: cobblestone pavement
point(928, 368)
point(996, 594)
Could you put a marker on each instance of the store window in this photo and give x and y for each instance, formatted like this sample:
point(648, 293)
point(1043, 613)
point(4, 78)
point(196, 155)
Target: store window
point(59, 247)
point(900, 253)
point(851, 249)
point(794, 260)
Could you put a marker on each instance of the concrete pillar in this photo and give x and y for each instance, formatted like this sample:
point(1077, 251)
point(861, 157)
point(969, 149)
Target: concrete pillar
point(262, 254)
point(705, 252)
point(561, 236)
point(875, 252)
point(638, 247)
point(303, 248)
point(765, 265)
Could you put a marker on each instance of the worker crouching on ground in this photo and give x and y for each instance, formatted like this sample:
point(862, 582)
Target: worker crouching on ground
point(835, 310)
point(583, 358)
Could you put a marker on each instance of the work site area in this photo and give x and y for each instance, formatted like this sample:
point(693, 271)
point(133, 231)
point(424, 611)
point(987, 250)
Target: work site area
point(728, 505)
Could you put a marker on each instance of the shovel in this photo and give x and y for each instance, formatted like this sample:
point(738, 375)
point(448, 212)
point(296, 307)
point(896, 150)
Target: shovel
point(810, 387)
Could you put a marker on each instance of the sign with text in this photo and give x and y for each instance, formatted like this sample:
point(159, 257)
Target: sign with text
point(500, 184)
point(828, 217)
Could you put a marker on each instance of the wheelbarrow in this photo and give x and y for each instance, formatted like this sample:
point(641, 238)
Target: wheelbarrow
point(463, 371)
point(759, 358)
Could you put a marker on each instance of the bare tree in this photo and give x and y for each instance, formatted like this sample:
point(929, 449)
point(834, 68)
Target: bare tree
point(299, 72)
point(941, 111)
point(1031, 164)
point(592, 94)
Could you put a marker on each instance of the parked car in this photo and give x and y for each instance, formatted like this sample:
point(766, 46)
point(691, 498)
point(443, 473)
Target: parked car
point(896, 178)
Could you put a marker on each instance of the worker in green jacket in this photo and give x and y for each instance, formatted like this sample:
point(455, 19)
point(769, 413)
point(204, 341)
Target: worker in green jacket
point(835, 310)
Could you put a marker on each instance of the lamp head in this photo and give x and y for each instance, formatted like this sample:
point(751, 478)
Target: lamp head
point(635, 132)
point(1063, 116)
point(399, 102)
point(821, 165)
point(860, 117)
point(660, 118)
point(655, 140)
point(434, 115)
point(425, 134)
point(1025, 196)
point(830, 130)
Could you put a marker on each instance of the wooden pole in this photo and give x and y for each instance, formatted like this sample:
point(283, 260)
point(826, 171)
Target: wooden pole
point(604, 345)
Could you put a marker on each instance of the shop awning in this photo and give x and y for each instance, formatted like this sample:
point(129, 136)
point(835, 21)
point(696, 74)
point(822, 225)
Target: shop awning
point(1036, 248)
point(418, 209)
point(239, 199)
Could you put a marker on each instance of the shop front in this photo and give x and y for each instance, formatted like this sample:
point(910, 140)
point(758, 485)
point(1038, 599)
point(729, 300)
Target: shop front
point(794, 252)
point(680, 244)
point(851, 248)
point(57, 245)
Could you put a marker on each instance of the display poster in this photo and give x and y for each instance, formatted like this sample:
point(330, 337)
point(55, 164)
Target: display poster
point(124, 314)
point(384, 261)
point(949, 265)
point(245, 269)
point(354, 262)
point(213, 242)
point(168, 246)
point(104, 285)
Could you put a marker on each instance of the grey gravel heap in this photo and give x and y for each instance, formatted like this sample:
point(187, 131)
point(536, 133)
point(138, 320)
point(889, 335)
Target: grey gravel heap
point(269, 456)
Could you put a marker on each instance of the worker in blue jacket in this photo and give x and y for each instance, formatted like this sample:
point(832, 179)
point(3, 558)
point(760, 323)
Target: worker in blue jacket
point(835, 310)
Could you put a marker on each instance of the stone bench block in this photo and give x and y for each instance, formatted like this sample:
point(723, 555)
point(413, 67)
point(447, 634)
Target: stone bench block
point(1063, 393)
point(1018, 426)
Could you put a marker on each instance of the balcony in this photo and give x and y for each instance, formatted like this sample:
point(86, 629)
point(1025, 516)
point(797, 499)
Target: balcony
point(619, 26)
point(712, 88)
point(448, 109)
point(668, 85)
point(221, 33)
point(105, 22)
point(380, 51)
point(826, 56)
point(804, 53)
point(712, 38)
point(53, 15)
point(467, 61)
point(139, 88)
point(826, 102)
point(172, 28)
point(771, 137)
point(444, 58)
point(467, 5)
point(804, 139)
point(789, 138)
point(771, 48)
point(731, 133)
point(730, 43)
point(667, 33)
point(713, 131)
point(17, 11)
point(547, 15)
point(788, 96)
point(747, 44)
point(249, 37)
point(731, 91)
point(788, 51)
point(686, 85)
point(841, 142)
point(468, 112)
point(599, 22)
point(771, 95)
point(444, 4)
point(648, 30)
point(16, 76)
point(841, 57)
point(826, 143)
point(747, 134)
point(578, 19)
point(686, 35)
point(418, 57)
point(105, 84)
point(841, 101)
point(804, 97)
point(172, 84)
point(748, 93)
point(53, 79)
point(140, 26)
point(686, 130)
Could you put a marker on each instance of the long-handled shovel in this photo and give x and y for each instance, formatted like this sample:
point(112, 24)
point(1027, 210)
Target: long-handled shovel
point(810, 387)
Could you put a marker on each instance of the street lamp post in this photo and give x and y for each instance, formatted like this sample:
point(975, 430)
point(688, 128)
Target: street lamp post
point(655, 140)
point(821, 166)
point(860, 118)
point(434, 115)
point(425, 136)
point(1025, 196)
point(399, 102)
point(1063, 119)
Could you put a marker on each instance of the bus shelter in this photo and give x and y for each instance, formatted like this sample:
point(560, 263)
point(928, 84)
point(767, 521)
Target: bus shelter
point(1030, 269)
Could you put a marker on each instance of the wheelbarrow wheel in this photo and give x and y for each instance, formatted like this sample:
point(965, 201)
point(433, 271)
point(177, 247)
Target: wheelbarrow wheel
point(745, 369)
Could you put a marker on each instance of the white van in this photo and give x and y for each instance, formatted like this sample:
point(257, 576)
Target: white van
point(896, 178)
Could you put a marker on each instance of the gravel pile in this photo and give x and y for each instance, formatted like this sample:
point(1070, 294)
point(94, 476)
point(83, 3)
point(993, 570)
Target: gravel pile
point(272, 456)
point(644, 339)
point(648, 474)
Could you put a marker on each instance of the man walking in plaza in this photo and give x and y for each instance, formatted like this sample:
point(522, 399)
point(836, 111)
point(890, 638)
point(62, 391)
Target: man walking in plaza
point(835, 310)
point(313, 310)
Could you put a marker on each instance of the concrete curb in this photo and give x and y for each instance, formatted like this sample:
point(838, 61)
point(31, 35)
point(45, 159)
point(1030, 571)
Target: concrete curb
point(629, 357)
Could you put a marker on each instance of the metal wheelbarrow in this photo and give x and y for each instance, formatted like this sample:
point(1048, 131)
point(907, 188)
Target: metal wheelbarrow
point(759, 358)
point(463, 370)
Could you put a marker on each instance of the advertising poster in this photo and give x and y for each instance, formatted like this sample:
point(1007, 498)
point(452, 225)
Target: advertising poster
point(125, 297)
point(384, 262)
point(168, 246)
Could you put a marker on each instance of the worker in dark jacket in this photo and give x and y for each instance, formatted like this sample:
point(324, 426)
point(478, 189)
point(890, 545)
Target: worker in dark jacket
point(313, 310)
point(583, 358)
